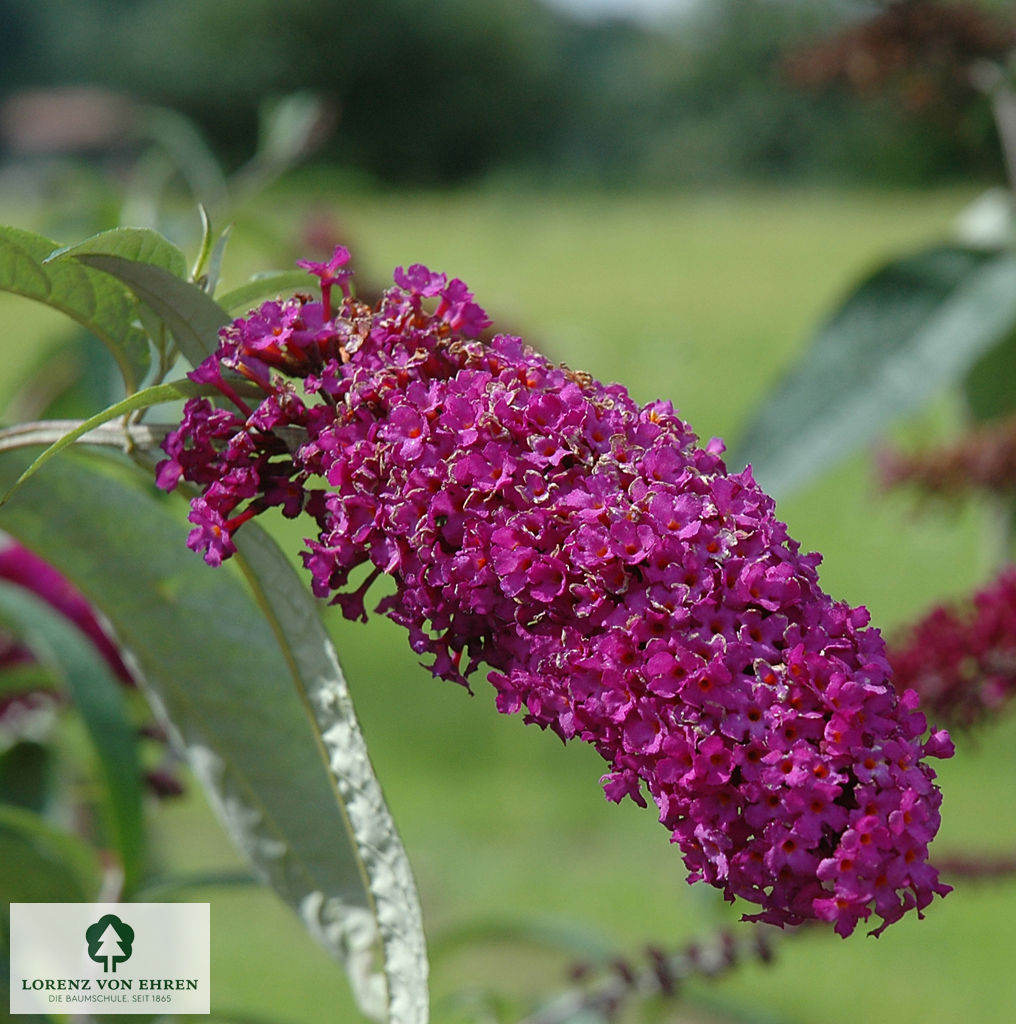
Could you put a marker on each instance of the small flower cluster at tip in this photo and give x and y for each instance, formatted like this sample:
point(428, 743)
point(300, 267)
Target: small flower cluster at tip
point(620, 586)
point(961, 658)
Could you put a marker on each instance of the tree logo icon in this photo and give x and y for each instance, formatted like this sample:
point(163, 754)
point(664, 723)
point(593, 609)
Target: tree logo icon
point(109, 942)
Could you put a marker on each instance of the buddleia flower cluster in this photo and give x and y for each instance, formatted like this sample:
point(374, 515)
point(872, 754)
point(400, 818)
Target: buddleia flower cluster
point(618, 584)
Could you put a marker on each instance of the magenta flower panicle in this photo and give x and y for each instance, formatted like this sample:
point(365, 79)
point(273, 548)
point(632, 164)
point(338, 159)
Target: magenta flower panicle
point(620, 586)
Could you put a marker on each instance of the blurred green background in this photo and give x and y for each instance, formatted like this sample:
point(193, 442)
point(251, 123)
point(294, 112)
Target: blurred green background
point(658, 203)
point(450, 91)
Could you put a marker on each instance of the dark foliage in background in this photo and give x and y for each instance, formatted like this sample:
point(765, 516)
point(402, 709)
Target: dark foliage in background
point(448, 91)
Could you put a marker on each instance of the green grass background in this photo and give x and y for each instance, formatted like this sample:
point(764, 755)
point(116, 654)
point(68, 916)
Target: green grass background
point(702, 299)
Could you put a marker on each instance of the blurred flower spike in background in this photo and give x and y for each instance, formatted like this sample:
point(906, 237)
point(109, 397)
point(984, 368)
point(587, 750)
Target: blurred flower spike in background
point(18, 565)
point(26, 710)
point(620, 585)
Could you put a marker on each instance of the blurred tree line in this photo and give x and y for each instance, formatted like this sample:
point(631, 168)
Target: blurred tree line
point(450, 90)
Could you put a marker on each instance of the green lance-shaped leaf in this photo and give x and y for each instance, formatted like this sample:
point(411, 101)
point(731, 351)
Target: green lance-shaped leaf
point(291, 609)
point(909, 330)
point(989, 387)
point(42, 863)
point(25, 678)
point(100, 701)
point(164, 888)
point(191, 314)
point(34, 433)
point(140, 245)
point(260, 708)
point(95, 301)
point(27, 775)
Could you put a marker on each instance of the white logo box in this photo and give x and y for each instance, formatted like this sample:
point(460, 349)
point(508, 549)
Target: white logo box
point(82, 958)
